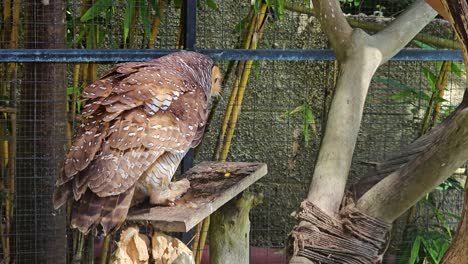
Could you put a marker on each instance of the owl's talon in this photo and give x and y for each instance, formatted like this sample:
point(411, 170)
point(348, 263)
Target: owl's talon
point(168, 195)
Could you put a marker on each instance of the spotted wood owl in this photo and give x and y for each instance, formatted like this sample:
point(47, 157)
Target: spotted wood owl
point(139, 120)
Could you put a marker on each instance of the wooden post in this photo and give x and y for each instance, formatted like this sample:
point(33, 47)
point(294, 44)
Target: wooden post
point(230, 230)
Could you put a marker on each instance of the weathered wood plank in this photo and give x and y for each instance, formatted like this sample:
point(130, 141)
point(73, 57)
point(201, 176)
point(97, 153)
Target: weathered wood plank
point(212, 184)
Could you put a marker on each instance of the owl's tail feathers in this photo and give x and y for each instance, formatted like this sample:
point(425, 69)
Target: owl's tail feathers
point(61, 194)
point(109, 211)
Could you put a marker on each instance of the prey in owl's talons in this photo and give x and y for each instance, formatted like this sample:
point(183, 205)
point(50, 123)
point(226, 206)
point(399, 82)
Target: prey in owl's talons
point(169, 194)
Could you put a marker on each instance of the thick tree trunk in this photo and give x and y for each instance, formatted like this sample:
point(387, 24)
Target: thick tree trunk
point(456, 12)
point(359, 55)
point(230, 231)
point(458, 250)
point(40, 231)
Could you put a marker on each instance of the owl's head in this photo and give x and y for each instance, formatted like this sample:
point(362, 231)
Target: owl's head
point(216, 79)
point(201, 69)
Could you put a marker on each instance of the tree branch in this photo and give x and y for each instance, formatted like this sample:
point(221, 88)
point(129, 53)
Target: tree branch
point(343, 123)
point(370, 26)
point(402, 30)
point(446, 152)
point(334, 25)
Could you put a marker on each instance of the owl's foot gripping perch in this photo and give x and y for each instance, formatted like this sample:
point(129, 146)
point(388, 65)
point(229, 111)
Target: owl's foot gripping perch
point(168, 194)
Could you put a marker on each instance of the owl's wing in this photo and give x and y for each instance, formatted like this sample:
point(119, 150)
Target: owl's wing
point(131, 117)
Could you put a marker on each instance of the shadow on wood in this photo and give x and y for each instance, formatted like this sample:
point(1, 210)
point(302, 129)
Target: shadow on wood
point(212, 184)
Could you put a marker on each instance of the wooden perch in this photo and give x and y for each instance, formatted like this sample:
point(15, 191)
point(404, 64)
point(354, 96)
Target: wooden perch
point(212, 184)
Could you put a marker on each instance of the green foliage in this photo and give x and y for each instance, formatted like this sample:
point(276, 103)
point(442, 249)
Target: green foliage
point(95, 10)
point(212, 4)
point(430, 244)
point(351, 2)
point(308, 119)
point(77, 91)
point(129, 12)
point(144, 14)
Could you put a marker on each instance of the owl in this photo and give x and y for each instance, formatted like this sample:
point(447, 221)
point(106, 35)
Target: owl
point(139, 120)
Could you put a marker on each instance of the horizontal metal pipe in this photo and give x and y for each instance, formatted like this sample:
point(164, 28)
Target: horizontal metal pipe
point(121, 55)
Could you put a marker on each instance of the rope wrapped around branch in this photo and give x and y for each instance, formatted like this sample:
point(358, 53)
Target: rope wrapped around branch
point(355, 238)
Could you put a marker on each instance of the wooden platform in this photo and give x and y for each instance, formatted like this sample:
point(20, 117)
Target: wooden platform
point(212, 184)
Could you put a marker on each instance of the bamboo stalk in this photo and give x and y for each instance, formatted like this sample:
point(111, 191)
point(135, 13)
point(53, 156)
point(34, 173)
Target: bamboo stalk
point(441, 84)
point(203, 235)
point(3, 164)
point(235, 89)
point(180, 39)
point(9, 147)
point(6, 20)
point(78, 252)
point(234, 105)
point(3, 235)
point(105, 249)
point(156, 24)
point(196, 239)
point(243, 83)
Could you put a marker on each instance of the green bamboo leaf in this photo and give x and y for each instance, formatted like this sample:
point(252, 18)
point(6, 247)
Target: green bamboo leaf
point(457, 68)
point(155, 6)
point(256, 69)
point(392, 82)
point(430, 76)
point(423, 45)
point(96, 9)
point(295, 110)
point(306, 128)
point(430, 248)
point(129, 12)
point(279, 8)
point(177, 3)
point(257, 5)
point(144, 14)
point(212, 4)
point(240, 26)
point(415, 250)
point(309, 123)
point(89, 39)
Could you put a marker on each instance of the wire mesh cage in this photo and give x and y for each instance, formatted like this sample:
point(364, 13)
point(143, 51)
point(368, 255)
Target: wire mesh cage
point(283, 114)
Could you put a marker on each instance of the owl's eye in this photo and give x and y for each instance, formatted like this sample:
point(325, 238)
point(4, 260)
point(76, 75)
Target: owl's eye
point(216, 80)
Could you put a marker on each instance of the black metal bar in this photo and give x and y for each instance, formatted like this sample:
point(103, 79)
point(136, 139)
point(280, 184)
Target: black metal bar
point(115, 55)
point(190, 39)
point(190, 24)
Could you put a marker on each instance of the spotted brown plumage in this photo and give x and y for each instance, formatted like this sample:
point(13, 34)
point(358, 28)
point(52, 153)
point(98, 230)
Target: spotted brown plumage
point(139, 120)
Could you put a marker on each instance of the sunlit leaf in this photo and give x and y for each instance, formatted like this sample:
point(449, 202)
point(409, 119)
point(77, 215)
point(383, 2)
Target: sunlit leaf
point(423, 45)
point(279, 8)
point(96, 9)
point(415, 250)
point(309, 122)
point(212, 4)
point(129, 12)
point(295, 110)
